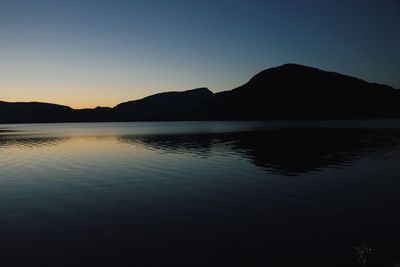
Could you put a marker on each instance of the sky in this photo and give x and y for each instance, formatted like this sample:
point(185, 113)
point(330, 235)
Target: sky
point(87, 53)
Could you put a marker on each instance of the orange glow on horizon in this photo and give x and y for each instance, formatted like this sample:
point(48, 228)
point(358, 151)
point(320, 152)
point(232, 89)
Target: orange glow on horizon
point(70, 103)
point(75, 103)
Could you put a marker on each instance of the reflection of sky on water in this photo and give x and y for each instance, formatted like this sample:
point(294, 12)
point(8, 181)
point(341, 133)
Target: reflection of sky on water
point(107, 194)
point(287, 151)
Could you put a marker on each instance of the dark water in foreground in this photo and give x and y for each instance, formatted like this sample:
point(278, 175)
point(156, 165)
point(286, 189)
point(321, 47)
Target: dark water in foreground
point(199, 193)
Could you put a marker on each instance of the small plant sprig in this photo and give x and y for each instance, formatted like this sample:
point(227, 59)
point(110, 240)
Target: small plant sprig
point(363, 252)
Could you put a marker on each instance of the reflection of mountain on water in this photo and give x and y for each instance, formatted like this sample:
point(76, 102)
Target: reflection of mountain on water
point(284, 151)
point(296, 151)
point(29, 142)
point(198, 144)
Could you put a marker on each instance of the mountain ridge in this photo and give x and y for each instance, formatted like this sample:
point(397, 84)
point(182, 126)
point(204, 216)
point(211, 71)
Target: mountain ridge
point(289, 91)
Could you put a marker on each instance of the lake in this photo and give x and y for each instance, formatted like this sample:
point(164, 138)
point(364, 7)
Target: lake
point(199, 193)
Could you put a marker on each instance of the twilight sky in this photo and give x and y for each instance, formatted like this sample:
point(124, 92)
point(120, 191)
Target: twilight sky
point(85, 53)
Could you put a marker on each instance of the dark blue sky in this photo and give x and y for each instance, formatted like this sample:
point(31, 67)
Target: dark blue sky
point(88, 53)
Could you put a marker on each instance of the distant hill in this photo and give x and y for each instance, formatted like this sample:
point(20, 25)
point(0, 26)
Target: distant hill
point(33, 112)
point(169, 105)
point(289, 91)
point(298, 92)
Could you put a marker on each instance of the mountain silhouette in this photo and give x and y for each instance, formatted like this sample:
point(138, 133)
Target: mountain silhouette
point(32, 112)
point(169, 105)
point(298, 92)
point(289, 91)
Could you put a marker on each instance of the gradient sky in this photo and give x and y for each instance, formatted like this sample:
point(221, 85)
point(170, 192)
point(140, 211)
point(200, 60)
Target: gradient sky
point(85, 53)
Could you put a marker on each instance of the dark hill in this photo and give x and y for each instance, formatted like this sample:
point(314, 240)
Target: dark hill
point(163, 106)
point(33, 112)
point(287, 92)
point(298, 92)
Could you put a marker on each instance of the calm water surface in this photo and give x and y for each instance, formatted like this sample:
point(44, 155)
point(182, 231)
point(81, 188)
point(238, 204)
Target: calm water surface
point(199, 193)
